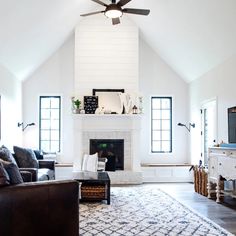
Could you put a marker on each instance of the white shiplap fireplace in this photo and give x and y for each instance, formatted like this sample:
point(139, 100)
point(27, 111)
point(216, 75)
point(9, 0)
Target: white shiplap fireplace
point(126, 127)
point(107, 57)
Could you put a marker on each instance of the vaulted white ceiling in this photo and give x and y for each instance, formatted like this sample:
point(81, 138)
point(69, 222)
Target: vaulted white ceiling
point(192, 36)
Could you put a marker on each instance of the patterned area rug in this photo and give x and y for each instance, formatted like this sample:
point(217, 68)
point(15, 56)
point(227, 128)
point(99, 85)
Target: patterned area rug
point(143, 210)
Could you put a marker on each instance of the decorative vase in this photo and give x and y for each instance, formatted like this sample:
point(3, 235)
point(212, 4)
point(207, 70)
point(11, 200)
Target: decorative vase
point(77, 111)
point(126, 103)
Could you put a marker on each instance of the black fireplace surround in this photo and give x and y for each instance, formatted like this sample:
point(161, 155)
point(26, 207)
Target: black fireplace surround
point(112, 149)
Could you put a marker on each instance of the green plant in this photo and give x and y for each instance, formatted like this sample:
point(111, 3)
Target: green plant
point(77, 103)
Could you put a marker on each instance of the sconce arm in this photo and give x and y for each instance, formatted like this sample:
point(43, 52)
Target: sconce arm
point(24, 127)
point(189, 126)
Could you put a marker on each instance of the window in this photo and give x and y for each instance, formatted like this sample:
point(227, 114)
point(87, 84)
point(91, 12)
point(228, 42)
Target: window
point(50, 123)
point(161, 133)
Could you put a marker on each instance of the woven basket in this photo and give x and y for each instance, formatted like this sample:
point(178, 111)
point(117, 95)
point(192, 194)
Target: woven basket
point(200, 180)
point(93, 192)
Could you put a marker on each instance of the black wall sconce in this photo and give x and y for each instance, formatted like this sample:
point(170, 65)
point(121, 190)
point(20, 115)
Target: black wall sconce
point(189, 126)
point(24, 127)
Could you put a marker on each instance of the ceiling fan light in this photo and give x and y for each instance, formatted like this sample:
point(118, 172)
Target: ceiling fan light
point(113, 13)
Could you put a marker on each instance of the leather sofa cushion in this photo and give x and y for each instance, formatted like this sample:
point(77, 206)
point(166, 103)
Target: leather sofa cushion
point(26, 176)
point(45, 174)
point(25, 157)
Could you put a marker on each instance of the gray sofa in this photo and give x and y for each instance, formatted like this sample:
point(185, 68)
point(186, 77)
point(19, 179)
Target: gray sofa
point(32, 161)
point(46, 171)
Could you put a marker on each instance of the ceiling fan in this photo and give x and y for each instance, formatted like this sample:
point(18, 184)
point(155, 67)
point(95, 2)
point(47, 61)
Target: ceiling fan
point(115, 10)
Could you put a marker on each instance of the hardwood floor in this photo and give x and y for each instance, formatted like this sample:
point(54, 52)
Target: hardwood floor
point(224, 214)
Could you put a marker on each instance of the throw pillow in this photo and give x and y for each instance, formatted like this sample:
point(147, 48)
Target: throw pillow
point(102, 164)
point(13, 172)
point(6, 155)
point(90, 162)
point(4, 177)
point(38, 155)
point(25, 157)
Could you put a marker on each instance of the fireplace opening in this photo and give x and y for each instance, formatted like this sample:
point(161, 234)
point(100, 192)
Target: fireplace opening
point(112, 149)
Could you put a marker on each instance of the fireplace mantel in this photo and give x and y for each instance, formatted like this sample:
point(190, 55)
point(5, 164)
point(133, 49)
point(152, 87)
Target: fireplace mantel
point(108, 115)
point(107, 122)
point(111, 126)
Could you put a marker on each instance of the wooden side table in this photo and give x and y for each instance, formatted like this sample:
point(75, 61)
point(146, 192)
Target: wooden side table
point(94, 185)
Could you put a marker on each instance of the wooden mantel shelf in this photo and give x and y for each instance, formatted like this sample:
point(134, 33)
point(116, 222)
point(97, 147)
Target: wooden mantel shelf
point(107, 115)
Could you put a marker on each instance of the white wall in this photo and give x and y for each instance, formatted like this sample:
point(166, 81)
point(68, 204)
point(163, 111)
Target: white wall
point(218, 83)
point(11, 109)
point(106, 56)
point(54, 77)
point(158, 79)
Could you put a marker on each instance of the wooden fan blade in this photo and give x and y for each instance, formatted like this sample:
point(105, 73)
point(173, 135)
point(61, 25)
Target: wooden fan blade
point(115, 21)
point(136, 11)
point(123, 2)
point(92, 13)
point(99, 2)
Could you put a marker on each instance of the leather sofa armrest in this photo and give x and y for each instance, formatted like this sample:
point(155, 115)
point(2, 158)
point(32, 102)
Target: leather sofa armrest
point(40, 208)
point(26, 175)
point(33, 171)
point(49, 164)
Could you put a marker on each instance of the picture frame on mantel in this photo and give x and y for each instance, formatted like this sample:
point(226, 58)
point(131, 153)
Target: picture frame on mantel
point(109, 100)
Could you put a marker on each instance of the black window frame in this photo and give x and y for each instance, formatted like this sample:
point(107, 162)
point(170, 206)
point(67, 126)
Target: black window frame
point(40, 99)
point(171, 130)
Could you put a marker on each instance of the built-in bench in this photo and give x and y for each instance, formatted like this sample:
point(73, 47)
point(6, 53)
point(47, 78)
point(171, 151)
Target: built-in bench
point(63, 171)
point(153, 172)
point(150, 172)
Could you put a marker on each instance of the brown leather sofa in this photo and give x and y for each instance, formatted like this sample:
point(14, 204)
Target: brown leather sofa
point(40, 209)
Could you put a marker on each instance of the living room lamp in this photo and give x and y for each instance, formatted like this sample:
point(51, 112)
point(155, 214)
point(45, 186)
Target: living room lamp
point(24, 127)
point(189, 126)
